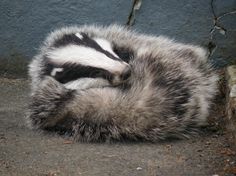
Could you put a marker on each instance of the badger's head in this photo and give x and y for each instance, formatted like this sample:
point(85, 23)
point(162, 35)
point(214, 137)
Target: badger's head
point(75, 56)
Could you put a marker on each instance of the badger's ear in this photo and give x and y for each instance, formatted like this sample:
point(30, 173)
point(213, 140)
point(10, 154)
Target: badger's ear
point(125, 53)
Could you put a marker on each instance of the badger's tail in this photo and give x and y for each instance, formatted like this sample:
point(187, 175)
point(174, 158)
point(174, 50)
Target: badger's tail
point(100, 114)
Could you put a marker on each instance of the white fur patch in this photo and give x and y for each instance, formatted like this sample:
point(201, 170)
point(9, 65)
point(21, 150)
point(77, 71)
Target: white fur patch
point(105, 45)
point(85, 56)
point(86, 83)
point(233, 91)
point(55, 70)
point(79, 35)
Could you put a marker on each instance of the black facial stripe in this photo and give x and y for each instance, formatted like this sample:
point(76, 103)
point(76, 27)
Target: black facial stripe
point(124, 54)
point(85, 41)
point(93, 44)
point(72, 72)
point(68, 39)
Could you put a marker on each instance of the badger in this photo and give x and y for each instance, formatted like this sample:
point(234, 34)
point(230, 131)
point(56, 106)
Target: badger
point(167, 90)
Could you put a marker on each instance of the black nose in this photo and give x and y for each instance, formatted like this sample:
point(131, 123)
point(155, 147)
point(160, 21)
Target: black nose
point(126, 73)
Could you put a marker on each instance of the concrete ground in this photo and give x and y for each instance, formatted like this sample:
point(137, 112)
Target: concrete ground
point(24, 152)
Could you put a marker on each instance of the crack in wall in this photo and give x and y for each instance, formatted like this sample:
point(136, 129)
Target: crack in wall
point(131, 18)
point(217, 26)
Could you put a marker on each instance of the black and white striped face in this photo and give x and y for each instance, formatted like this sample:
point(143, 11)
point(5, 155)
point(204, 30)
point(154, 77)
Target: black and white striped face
point(76, 56)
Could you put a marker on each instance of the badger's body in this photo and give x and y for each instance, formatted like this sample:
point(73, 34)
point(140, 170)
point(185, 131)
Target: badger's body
point(168, 93)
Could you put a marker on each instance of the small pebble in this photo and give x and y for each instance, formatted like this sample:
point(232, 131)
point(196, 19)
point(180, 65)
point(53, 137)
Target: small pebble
point(139, 168)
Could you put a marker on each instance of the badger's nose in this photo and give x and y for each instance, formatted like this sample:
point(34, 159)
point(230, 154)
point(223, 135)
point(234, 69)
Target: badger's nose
point(126, 73)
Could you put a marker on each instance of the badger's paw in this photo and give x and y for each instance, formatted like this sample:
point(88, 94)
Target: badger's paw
point(47, 104)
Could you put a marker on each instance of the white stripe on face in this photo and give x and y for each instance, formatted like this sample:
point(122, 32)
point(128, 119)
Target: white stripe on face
point(85, 56)
point(105, 45)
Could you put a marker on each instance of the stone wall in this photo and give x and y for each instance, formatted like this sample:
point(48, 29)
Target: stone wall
point(25, 23)
point(231, 99)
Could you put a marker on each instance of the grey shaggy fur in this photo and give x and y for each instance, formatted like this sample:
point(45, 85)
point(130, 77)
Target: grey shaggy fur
point(168, 94)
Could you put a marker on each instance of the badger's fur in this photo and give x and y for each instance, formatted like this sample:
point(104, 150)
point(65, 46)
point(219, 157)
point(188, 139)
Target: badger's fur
point(168, 93)
point(77, 55)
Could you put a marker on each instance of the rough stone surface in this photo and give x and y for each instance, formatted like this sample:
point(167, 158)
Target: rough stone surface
point(25, 152)
point(187, 21)
point(231, 102)
point(222, 7)
point(192, 21)
point(224, 35)
point(24, 24)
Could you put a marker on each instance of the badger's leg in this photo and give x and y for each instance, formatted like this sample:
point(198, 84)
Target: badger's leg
point(86, 83)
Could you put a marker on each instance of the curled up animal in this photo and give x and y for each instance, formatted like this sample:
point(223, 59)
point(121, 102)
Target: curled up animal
point(109, 83)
